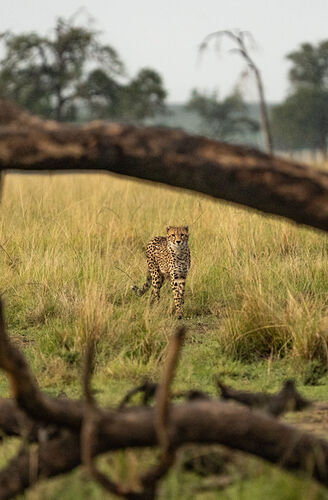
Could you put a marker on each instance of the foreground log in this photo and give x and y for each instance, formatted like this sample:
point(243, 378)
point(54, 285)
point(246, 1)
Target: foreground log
point(200, 421)
point(233, 173)
point(206, 422)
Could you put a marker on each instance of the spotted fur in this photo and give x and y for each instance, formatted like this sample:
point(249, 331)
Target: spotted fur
point(168, 257)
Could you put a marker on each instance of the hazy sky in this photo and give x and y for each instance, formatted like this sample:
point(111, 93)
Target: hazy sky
point(165, 35)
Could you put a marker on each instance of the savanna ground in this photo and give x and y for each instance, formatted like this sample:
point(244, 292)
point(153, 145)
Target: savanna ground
point(256, 306)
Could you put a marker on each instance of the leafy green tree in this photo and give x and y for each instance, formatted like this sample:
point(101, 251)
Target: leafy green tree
point(69, 70)
point(310, 66)
point(224, 119)
point(301, 121)
point(102, 95)
point(45, 74)
point(142, 97)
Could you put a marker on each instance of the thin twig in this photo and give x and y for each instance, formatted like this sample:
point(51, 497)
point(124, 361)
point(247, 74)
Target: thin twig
point(89, 432)
point(147, 388)
point(124, 272)
point(163, 390)
point(87, 372)
point(12, 262)
point(89, 425)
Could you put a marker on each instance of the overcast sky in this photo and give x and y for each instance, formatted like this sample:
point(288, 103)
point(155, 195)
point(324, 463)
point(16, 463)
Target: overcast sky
point(166, 34)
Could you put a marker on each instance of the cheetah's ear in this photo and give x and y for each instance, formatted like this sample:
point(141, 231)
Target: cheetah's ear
point(168, 228)
point(186, 228)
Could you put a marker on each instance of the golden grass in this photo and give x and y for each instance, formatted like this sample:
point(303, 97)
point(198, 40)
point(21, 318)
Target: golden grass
point(72, 246)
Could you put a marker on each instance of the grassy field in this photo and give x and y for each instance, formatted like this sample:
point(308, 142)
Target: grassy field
point(256, 304)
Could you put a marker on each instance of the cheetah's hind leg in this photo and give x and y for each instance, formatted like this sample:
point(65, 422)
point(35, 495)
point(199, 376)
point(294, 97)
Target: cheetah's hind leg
point(157, 281)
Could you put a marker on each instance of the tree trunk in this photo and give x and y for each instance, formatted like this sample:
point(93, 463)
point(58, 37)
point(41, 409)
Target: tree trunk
point(265, 125)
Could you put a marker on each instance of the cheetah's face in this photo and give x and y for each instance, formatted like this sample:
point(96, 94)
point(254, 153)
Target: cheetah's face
point(177, 237)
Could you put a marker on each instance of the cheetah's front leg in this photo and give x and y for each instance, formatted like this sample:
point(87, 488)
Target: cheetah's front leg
point(178, 288)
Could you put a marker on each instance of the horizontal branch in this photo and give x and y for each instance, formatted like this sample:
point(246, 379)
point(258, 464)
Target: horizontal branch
point(288, 399)
point(197, 421)
point(233, 173)
point(200, 421)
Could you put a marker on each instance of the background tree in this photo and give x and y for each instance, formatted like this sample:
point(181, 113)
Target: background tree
point(45, 74)
point(301, 121)
point(142, 97)
point(101, 94)
point(310, 66)
point(225, 119)
point(70, 70)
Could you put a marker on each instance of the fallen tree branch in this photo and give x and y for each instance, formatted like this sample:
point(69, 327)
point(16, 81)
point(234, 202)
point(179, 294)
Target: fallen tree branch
point(13, 420)
point(147, 482)
point(200, 420)
point(89, 430)
point(206, 422)
point(26, 391)
point(148, 390)
point(288, 399)
point(163, 390)
point(233, 173)
point(52, 458)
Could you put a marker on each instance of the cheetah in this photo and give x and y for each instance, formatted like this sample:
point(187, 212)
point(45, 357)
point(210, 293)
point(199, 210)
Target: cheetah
point(168, 257)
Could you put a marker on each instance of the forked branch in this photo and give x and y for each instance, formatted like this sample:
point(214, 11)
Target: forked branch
point(147, 482)
point(200, 420)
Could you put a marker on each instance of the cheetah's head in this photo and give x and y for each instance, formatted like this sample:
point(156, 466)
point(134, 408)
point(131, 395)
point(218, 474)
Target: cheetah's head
point(177, 237)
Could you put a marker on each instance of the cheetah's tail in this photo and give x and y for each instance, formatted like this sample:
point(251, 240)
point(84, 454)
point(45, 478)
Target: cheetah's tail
point(145, 287)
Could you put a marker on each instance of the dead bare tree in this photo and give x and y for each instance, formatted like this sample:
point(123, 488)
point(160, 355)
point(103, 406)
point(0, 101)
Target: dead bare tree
point(240, 38)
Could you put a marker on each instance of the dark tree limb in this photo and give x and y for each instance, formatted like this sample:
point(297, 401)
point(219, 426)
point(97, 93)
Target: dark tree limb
point(196, 421)
point(288, 399)
point(147, 482)
point(150, 479)
point(163, 395)
point(148, 390)
point(50, 459)
point(13, 421)
point(206, 422)
point(89, 430)
point(232, 173)
point(26, 391)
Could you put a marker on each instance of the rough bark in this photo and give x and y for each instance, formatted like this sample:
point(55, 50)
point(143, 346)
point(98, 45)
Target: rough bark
point(233, 173)
point(196, 421)
point(199, 421)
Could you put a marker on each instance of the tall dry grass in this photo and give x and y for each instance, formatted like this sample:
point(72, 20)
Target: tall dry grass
point(72, 246)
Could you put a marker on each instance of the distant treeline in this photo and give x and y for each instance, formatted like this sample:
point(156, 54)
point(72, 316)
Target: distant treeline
point(70, 75)
point(181, 116)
